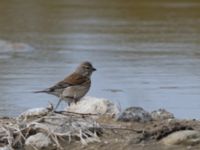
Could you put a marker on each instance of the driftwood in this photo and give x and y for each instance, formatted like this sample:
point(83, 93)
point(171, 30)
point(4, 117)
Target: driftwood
point(115, 127)
point(56, 126)
point(75, 113)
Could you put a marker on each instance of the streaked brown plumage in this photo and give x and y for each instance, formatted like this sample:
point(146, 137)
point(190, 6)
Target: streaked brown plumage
point(74, 86)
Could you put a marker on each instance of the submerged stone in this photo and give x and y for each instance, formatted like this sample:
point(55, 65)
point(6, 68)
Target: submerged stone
point(11, 47)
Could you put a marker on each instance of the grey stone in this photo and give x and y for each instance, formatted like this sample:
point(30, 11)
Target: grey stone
point(135, 114)
point(41, 141)
point(161, 114)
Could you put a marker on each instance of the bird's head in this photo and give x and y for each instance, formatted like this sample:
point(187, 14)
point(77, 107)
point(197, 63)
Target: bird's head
point(85, 69)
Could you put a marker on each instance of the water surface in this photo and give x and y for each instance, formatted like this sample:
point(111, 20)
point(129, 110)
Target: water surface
point(147, 52)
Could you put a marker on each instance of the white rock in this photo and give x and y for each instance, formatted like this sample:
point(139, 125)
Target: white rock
point(94, 105)
point(35, 112)
point(186, 137)
point(41, 141)
point(5, 148)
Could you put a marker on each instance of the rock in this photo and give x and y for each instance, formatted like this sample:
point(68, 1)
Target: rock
point(185, 137)
point(35, 112)
point(5, 148)
point(161, 114)
point(41, 141)
point(137, 114)
point(94, 105)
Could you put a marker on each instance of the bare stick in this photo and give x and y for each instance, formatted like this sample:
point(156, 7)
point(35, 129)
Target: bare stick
point(105, 126)
point(75, 113)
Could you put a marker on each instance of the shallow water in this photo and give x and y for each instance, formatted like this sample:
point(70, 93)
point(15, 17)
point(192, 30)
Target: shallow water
point(147, 52)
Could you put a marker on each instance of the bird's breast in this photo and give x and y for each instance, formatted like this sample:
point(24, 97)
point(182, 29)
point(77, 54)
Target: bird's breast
point(76, 92)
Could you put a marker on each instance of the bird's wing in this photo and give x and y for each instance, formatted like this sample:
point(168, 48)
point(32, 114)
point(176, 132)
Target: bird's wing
point(71, 80)
point(75, 79)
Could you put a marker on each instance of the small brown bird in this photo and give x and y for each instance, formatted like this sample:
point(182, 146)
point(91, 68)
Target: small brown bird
point(74, 86)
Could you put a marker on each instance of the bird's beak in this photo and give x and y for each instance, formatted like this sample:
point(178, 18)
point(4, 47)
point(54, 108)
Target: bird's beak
point(94, 69)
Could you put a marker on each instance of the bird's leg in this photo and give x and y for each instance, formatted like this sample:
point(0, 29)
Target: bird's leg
point(57, 104)
point(69, 103)
point(75, 100)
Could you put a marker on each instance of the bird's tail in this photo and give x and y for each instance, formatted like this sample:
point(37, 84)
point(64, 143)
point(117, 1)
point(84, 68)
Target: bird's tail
point(42, 91)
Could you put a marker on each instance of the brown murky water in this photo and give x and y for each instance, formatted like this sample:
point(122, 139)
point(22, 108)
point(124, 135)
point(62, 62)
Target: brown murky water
point(147, 52)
